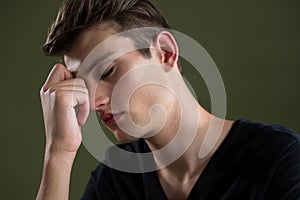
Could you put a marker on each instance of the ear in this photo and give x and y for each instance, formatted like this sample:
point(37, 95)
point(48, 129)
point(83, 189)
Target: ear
point(168, 49)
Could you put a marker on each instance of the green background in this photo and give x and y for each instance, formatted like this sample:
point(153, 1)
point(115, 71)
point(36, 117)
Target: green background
point(255, 44)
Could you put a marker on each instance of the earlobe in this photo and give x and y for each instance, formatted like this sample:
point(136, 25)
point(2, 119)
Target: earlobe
point(168, 49)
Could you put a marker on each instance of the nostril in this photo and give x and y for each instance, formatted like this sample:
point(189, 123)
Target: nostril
point(100, 102)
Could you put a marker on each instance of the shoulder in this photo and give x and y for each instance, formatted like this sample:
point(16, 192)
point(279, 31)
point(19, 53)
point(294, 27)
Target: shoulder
point(277, 150)
point(267, 155)
point(267, 134)
point(262, 143)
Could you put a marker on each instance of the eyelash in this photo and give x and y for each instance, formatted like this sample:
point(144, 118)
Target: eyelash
point(108, 73)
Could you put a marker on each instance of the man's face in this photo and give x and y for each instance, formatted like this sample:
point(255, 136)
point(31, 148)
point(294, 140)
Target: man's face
point(104, 74)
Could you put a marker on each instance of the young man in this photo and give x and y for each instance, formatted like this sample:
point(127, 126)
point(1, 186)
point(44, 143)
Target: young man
point(247, 161)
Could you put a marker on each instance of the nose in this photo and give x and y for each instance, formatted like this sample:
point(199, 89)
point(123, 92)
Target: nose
point(100, 97)
point(100, 102)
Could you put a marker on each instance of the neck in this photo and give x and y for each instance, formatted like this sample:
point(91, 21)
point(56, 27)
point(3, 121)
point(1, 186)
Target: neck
point(183, 138)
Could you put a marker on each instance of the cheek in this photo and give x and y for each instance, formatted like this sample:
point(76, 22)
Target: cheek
point(139, 105)
point(147, 96)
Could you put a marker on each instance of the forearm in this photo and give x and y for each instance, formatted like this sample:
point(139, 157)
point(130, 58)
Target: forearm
point(56, 176)
point(60, 95)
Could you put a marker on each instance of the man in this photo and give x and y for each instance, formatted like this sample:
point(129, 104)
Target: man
point(248, 160)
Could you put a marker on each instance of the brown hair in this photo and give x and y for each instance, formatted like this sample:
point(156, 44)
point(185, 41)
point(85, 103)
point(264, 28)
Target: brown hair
point(76, 15)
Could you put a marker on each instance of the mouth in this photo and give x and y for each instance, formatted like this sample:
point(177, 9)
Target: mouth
point(110, 119)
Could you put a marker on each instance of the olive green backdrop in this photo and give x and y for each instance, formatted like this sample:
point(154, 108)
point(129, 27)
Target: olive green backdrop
point(255, 44)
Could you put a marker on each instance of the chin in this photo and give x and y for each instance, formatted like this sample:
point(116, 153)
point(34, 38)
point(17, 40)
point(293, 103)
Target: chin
point(123, 137)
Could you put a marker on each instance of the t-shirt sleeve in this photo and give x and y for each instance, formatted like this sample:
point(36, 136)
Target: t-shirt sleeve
point(285, 181)
point(100, 185)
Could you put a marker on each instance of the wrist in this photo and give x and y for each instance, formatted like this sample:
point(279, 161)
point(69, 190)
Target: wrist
point(56, 174)
point(59, 155)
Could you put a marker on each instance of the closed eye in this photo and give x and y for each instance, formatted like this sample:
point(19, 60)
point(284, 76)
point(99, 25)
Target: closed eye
point(108, 73)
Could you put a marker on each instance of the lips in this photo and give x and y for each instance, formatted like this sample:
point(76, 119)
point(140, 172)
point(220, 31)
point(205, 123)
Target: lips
point(110, 119)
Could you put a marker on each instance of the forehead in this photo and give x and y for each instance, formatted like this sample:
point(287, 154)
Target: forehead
point(95, 45)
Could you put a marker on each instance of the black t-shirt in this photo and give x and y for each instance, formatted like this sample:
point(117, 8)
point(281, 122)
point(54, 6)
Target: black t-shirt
point(255, 161)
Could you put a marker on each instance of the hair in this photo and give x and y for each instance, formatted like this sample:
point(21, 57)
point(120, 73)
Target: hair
point(74, 16)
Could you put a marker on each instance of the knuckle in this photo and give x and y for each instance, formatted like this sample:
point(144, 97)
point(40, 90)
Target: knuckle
point(44, 89)
point(63, 96)
point(48, 88)
point(58, 66)
point(59, 94)
point(51, 90)
point(80, 82)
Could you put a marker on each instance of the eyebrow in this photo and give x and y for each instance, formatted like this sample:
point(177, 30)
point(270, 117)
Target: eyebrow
point(96, 62)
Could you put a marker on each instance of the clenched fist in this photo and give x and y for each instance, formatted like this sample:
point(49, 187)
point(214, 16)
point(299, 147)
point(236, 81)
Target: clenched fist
point(65, 104)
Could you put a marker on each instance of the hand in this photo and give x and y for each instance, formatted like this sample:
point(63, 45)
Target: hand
point(60, 95)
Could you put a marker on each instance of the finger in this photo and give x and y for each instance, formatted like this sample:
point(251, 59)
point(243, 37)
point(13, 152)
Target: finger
point(81, 101)
point(73, 81)
point(58, 73)
point(67, 88)
point(83, 113)
point(72, 84)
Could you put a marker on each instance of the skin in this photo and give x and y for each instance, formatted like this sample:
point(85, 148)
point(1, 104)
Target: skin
point(62, 92)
